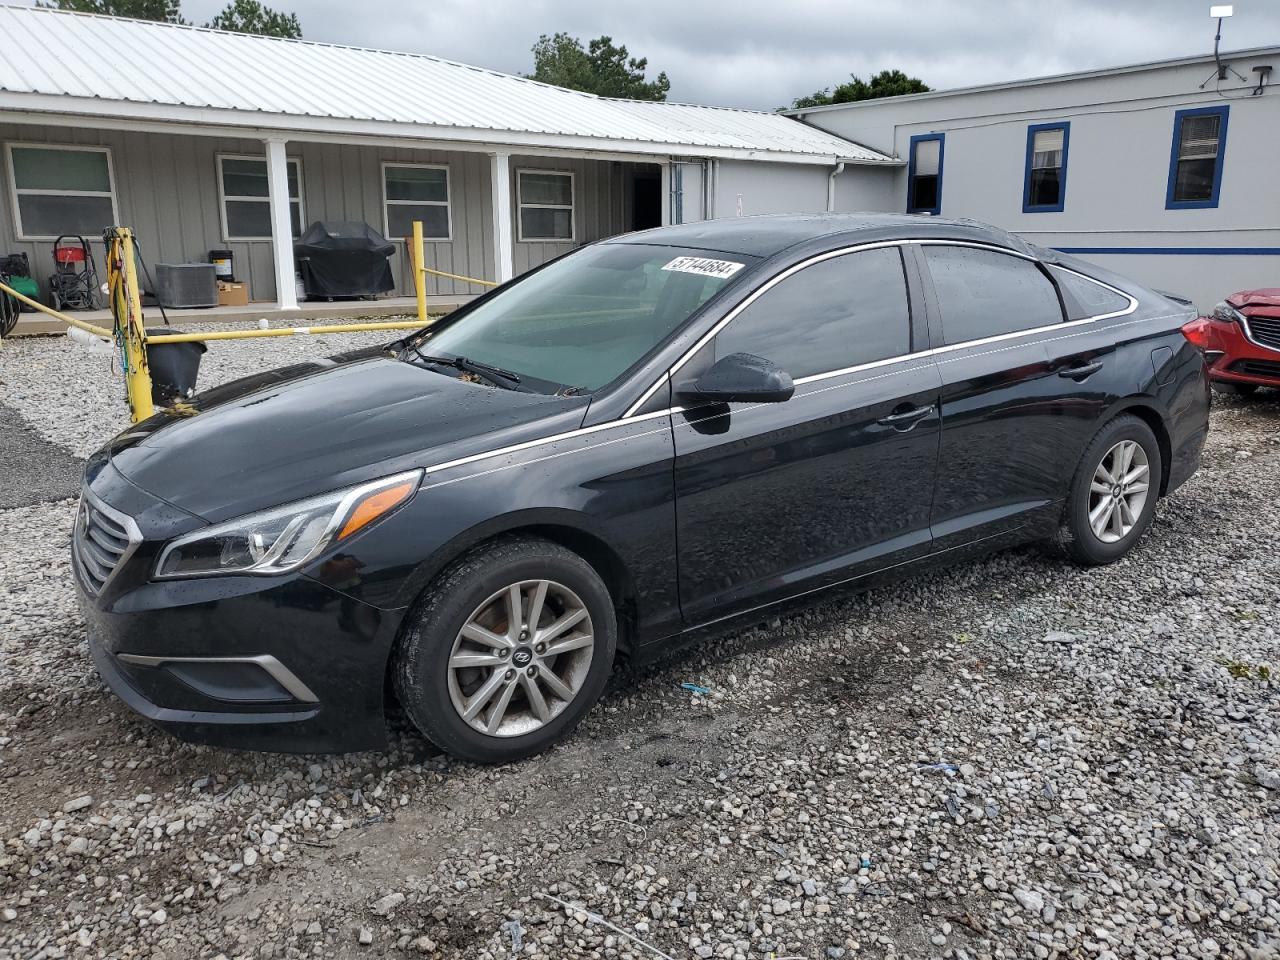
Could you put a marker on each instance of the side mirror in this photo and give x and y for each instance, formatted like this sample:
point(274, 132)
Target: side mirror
point(743, 378)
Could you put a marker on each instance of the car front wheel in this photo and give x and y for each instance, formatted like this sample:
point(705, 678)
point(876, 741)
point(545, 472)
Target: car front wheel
point(1114, 492)
point(507, 651)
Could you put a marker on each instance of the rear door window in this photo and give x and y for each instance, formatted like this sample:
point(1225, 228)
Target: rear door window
point(984, 293)
point(842, 312)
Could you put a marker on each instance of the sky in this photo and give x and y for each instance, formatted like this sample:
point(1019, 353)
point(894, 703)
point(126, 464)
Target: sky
point(764, 53)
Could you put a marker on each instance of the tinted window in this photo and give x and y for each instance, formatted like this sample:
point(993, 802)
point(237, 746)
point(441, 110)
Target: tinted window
point(838, 313)
point(983, 293)
point(1085, 298)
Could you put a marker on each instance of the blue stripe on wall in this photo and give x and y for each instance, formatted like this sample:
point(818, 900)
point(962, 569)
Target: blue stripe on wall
point(1180, 251)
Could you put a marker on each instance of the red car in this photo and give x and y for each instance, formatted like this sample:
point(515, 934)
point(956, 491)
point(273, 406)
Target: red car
point(1241, 341)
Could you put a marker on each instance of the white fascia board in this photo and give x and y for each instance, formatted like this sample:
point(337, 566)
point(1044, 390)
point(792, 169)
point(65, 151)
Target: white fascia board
point(207, 121)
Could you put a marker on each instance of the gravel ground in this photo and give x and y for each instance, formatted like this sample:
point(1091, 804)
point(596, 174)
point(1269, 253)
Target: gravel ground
point(1016, 758)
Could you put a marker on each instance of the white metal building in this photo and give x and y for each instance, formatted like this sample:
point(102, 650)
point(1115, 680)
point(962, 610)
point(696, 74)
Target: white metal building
point(1161, 171)
point(203, 140)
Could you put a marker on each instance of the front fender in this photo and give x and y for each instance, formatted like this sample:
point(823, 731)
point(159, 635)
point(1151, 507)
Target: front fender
point(611, 486)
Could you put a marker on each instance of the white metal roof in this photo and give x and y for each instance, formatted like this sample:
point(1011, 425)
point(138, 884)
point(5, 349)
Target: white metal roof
point(56, 62)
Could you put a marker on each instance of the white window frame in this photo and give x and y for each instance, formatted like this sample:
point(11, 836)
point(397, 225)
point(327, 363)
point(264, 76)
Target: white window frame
point(572, 207)
point(223, 197)
point(447, 204)
point(14, 192)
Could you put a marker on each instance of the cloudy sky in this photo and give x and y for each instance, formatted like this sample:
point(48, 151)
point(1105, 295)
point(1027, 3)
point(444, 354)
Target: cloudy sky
point(763, 53)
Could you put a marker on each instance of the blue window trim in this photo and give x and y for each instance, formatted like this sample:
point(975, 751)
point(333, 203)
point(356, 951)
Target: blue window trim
point(1027, 206)
point(1172, 204)
point(911, 171)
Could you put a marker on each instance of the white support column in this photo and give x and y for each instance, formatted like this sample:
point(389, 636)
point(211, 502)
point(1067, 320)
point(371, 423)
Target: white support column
point(665, 189)
point(500, 183)
point(281, 224)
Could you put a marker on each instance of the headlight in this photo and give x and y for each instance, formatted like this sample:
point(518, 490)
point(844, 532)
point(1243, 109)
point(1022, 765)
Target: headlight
point(1226, 313)
point(284, 538)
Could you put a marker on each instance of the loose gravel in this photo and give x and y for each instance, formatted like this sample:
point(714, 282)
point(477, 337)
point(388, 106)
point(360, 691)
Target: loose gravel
point(1013, 758)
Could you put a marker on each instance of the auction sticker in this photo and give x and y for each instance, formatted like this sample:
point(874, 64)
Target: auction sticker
point(724, 269)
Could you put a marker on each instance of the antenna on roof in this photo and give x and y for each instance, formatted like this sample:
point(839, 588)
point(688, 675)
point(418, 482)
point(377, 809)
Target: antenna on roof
point(1220, 12)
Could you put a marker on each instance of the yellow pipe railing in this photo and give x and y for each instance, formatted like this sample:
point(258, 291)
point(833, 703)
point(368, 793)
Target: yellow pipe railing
point(286, 331)
point(130, 335)
point(100, 331)
point(456, 276)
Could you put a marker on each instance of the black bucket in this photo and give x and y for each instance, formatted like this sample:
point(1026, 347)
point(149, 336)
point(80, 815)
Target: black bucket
point(174, 367)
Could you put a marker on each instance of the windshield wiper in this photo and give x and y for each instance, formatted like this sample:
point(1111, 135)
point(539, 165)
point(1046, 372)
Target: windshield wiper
point(491, 373)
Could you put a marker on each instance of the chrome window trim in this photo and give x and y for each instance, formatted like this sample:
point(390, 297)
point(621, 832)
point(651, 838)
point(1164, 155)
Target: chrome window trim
point(669, 411)
point(1133, 301)
point(1248, 335)
point(750, 299)
point(127, 523)
point(274, 668)
point(630, 416)
point(843, 251)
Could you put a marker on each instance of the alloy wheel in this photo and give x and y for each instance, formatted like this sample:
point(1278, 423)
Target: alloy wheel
point(1118, 492)
point(521, 658)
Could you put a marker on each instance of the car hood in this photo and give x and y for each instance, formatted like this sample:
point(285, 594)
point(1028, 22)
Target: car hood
point(310, 428)
point(1261, 303)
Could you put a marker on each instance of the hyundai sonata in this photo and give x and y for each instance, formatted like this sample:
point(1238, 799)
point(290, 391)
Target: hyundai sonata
point(648, 435)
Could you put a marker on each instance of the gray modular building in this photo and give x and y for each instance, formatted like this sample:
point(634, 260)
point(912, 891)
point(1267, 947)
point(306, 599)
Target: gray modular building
point(204, 140)
point(1162, 171)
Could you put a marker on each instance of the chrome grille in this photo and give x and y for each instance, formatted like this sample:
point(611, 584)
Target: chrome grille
point(1265, 331)
point(102, 541)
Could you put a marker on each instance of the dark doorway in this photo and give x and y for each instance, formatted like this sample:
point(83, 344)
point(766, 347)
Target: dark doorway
point(646, 198)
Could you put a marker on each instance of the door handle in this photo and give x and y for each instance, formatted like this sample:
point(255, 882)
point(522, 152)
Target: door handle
point(906, 419)
point(1082, 372)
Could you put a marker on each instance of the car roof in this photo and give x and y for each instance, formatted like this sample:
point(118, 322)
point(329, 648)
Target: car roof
point(771, 234)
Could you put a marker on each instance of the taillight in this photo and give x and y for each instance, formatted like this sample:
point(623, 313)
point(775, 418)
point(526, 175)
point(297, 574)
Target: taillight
point(1199, 333)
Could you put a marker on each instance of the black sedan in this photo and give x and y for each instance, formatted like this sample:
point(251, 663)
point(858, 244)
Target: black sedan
point(648, 435)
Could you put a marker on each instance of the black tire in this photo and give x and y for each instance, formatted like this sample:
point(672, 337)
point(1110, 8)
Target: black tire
point(1076, 535)
point(1234, 389)
point(421, 668)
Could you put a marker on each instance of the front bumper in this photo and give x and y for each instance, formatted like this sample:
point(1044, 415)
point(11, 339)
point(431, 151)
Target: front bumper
point(1241, 360)
point(267, 663)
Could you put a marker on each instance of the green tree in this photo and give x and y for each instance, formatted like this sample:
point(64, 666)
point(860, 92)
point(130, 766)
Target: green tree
point(250, 16)
point(886, 83)
point(165, 11)
point(601, 68)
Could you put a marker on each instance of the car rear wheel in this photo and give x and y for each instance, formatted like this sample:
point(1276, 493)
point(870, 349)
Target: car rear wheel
point(507, 651)
point(1234, 389)
point(1114, 492)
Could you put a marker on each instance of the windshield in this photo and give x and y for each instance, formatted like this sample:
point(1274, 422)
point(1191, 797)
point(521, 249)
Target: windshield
point(584, 320)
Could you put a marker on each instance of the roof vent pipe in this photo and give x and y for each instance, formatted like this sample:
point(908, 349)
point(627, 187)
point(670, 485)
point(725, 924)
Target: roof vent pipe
point(831, 186)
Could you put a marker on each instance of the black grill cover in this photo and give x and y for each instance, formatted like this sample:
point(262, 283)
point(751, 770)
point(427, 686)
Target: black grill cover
point(344, 258)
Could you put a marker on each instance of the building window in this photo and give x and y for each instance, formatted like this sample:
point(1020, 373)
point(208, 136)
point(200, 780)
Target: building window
point(61, 190)
point(1195, 160)
point(545, 199)
point(924, 174)
point(1044, 188)
point(246, 204)
point(416, 191)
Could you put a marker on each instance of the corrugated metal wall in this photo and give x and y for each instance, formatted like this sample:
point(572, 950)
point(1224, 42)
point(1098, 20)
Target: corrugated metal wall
point(167, 190)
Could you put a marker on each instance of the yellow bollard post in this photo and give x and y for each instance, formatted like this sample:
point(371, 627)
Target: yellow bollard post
point(417, 255)
point(137, 376)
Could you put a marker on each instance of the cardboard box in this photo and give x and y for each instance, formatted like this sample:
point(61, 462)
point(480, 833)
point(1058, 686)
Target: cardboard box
point(233, 294)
